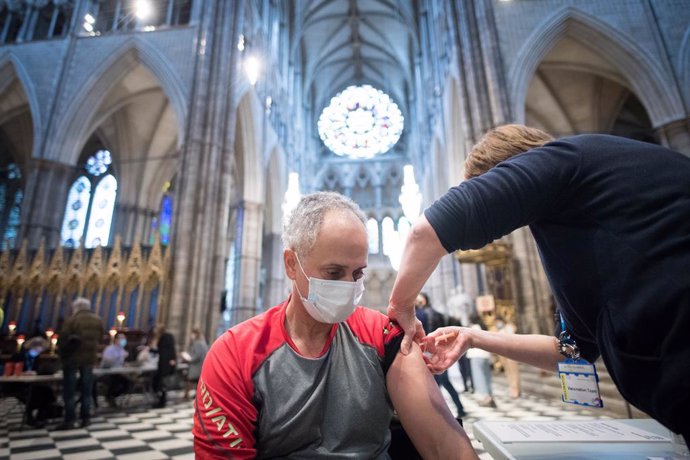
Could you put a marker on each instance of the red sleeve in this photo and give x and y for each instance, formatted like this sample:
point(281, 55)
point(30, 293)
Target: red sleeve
point(224, 416)
point(373, 328)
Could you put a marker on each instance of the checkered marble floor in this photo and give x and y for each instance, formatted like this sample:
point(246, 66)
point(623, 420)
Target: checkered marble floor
point(523, 408)
point(139, 432)
point(130, 433)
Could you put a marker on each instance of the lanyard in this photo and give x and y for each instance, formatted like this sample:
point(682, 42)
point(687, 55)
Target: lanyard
point(566, 344)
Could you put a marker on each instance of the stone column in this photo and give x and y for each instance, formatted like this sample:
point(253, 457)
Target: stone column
point(45, 197)
point(676, 135)
point(249, 266)
point(199, 241)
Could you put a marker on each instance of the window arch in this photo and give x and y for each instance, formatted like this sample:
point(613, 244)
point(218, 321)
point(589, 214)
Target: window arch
point(373, 231)
point(11, 196)
point(90, 204)
point(388, 235)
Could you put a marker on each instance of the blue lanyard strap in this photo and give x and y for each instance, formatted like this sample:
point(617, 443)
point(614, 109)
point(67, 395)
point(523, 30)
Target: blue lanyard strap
point(566, 344)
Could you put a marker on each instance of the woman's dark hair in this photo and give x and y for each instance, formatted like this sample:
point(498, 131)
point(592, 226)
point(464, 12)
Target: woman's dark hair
point(426, 298)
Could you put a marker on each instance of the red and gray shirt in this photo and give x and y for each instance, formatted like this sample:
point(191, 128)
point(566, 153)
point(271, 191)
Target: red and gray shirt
point(258, 397)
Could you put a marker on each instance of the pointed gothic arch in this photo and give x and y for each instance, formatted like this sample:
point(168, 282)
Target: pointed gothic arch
point(647, 78)
point(249, 148)
point(11, 69)
point(73, 131)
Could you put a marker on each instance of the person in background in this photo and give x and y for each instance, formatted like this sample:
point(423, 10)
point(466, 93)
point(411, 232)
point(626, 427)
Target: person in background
point(42, 403)
point(480, 361)
point(196, 354)
point(609, 216)
point(461, 307)
point(114, 355)
point(80, 337)
point(164, 346)
point(319, 376)
point(434, 320)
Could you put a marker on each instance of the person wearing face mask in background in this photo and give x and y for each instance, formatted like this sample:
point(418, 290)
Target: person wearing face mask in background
point(316, 375)
point(42, 404)
point(114, 355)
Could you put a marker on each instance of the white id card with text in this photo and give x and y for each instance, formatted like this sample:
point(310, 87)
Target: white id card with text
point(580, 383)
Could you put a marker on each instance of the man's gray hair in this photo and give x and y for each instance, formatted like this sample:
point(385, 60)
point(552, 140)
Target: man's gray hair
point(302, 226)
point(81, 303)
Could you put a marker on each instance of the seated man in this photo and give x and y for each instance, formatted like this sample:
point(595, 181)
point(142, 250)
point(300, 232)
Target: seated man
point(114, 355)
point(316, 375)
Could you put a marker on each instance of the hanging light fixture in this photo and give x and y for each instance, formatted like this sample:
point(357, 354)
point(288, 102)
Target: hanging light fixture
point(252, 66)
point(292, 194)
point(410, 199)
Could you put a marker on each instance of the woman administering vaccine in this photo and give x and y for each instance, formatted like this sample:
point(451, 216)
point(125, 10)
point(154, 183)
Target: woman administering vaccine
point(611, 219)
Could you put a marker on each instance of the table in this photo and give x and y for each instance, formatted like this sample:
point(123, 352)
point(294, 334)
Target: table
point(563, 450)
point(31, 380)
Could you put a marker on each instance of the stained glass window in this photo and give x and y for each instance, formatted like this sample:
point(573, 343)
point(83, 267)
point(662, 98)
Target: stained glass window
point(360, 122)
point(90, 204)
point(373, 231)
point(98, 232)
point(11, 197)
point(74, 221)
point(98, 163)
point(166, 218)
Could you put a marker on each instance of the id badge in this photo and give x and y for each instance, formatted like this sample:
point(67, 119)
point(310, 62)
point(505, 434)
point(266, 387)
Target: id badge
point(580, 383)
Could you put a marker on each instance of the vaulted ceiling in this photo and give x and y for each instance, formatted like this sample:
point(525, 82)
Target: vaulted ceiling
point(356, 42)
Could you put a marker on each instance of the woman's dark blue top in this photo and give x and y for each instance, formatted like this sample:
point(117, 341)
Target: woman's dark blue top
point(611, 219)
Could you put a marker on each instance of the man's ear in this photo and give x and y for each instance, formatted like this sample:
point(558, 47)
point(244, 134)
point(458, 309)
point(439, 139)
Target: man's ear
point(290, 261)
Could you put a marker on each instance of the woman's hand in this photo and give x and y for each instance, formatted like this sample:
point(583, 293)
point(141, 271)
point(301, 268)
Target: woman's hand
point(445, 346)
point(410, 325)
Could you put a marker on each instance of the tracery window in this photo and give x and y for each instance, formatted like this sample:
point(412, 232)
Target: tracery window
point(87, 212)
point(360, 122)
point(388, 235)
point(11, 196)
point(373, 231)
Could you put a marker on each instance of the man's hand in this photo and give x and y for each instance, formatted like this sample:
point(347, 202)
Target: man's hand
point(410, 325)
point(446, 345)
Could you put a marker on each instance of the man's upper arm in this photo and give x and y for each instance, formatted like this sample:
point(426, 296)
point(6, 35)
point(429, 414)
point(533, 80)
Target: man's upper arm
point(423, 412)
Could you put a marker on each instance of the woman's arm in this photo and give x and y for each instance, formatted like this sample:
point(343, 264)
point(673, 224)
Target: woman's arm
point(423, 412)
point(447, 344)
point(421, 255)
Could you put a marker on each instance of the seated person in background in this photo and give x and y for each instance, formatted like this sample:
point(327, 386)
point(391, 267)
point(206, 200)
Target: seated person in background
point(195, 358)
point(316, 375)
point(43, 402)
point(114, 355)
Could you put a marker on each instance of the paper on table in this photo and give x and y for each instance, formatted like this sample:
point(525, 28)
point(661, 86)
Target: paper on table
point(585, 431)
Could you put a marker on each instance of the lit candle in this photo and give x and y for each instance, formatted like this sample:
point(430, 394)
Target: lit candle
point(49, 333)
point(12, 326)
point(113, 333)
point(20, 341)
point(120, 319)
point(53, 343)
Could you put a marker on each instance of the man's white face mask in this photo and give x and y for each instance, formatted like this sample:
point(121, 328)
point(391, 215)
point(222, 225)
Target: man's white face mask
point(331, 301)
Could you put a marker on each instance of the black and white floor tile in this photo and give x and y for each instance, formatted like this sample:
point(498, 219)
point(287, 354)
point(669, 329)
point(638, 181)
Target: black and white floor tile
point(137, 431)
